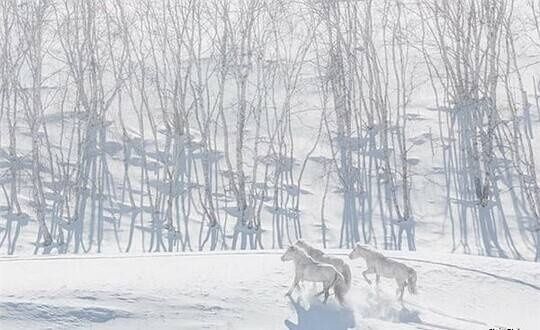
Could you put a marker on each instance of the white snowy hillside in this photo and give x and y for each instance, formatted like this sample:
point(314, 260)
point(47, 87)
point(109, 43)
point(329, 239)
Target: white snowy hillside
point(157, 158)
point(246, 291)
point(136, 126)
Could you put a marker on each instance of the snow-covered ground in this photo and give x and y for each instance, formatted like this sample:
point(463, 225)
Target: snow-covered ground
point(106, 200)
point(246, 291)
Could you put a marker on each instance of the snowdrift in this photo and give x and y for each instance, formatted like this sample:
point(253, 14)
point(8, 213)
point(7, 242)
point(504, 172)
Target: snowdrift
point(246, 291)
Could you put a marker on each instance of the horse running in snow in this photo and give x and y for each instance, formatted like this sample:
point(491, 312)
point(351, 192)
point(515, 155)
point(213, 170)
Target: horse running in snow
point(307, 269)
point(338, 263)
point(380, 265)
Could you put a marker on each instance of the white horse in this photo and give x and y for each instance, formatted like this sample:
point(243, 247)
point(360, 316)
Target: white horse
point(338, 263)
point(380, 265)
point(307, 269)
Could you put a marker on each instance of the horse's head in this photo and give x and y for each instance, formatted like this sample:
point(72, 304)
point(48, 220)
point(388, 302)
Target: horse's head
point(290, 253)
point(357, 252)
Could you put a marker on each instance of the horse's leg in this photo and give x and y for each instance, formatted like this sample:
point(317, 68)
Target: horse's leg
point(326, 286)
point(294, 284)
point(378, 279)
point(400, 290)
point(326, 290)
point(326, 294)
point(323, 290)
point(365, 272)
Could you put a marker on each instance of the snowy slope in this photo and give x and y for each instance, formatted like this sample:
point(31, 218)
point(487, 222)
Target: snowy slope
point(246, 291)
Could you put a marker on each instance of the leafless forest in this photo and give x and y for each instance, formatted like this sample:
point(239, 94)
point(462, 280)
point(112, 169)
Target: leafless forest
point(131, 126)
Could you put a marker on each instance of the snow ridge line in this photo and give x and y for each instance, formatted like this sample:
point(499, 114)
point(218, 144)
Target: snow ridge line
point(499, 277)
point(135, 256)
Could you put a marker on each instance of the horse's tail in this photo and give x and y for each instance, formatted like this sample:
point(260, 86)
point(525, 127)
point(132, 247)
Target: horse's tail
point(340, 288)
point(411, 282)
point(347, 276)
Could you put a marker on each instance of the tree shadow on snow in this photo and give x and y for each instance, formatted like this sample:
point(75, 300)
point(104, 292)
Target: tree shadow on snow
point(319, 316)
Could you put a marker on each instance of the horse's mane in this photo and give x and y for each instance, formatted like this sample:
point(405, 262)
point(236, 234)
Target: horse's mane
point(372, 252)
point(310, 250)
point(305, 255)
